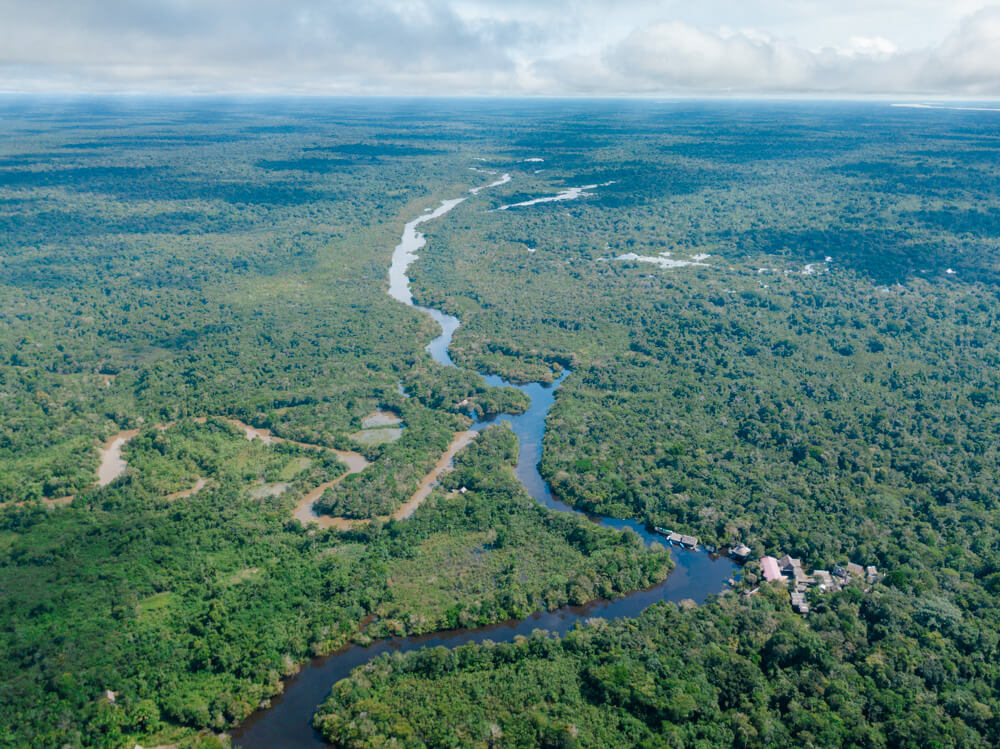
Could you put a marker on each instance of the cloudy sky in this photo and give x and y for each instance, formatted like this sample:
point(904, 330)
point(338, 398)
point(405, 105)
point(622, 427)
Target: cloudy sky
point(503, 47)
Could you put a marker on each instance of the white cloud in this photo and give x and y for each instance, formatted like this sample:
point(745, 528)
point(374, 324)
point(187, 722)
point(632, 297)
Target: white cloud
point(511, 47)
point(969, 59)
point(271, 45)
point(868, 46)
point(674, 57)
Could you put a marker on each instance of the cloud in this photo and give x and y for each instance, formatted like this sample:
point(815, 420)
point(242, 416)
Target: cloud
point(375, 45)
point(868, 46)
point(678, 58)
point(969, 59)
point(641, 47)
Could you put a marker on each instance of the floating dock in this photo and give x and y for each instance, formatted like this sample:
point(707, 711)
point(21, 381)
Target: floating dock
point(678, 539)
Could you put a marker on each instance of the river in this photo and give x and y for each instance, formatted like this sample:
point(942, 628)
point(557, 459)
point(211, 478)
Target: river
point(696, 575)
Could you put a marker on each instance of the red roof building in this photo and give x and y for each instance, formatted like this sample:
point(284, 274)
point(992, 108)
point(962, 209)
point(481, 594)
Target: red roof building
point(769, 566)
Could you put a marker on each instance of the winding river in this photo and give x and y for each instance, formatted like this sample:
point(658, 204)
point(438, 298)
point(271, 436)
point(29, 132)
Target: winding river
point(696, 575)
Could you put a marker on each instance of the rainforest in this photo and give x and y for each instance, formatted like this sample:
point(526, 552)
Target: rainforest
point(234, 454)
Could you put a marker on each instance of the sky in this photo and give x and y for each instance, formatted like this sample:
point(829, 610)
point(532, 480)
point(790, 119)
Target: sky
point(924, 48)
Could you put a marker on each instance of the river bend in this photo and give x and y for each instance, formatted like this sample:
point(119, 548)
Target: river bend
point(696, 575)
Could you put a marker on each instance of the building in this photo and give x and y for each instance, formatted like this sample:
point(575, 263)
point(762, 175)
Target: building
point(769, 568)
point(799, 603)
point(688, 542)
point(740, 552)
point(788, 565)
point(824, 578)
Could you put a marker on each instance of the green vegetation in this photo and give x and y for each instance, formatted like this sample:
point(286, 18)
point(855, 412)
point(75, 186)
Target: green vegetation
point(164, 461)
point(207, 281)
point(768, 396)
point(523, 559)
point(222, 279)
point(394, 477)
point(166, 263)
point(832, 410)
point(191, 610)
point(737, 672)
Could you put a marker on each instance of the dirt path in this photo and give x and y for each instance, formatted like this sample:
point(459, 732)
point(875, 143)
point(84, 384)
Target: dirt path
point(198, 486)
point(304, 512)
point(253, 433)
point(444, 464)
point(112, 465)
point(56, 501)
point(304, 509)
point(355, 462)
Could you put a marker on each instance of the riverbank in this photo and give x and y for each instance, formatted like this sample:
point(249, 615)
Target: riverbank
point(287, 722)
point(696, 575)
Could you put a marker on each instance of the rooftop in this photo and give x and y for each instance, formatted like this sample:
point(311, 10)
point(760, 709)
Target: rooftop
point(769, 567)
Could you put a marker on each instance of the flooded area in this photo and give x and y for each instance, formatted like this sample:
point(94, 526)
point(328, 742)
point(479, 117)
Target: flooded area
point(269, 490)
point(355, 462)
point(664, 259)
point(570, 193)
point(504, 179)
point(379, 428)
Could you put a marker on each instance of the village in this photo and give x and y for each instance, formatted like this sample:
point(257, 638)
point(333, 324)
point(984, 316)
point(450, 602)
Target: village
point(787, 571)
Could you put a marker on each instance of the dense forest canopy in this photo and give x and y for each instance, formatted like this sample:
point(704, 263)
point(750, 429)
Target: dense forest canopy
point(780, 323)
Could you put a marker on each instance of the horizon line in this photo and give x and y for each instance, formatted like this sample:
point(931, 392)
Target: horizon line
point(916, 98)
